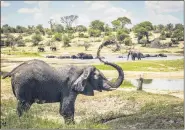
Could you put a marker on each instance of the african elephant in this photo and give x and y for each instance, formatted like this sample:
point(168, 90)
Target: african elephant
point(134, 54)
point(41, 49)
point(35, 81)
point(50, 56)
point(84, 56)
point(53, 48)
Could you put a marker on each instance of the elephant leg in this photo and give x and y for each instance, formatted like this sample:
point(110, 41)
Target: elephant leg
point(23, 106)
point(67, 108)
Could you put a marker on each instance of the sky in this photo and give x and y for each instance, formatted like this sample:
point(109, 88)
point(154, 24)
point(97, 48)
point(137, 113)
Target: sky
point(26, 13)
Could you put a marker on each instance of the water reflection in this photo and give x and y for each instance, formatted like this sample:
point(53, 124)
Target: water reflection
point(161, 84)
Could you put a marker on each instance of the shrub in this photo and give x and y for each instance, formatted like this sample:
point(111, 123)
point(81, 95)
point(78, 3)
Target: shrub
point(109, 37)
point(143, 41)
point(97, 40)
point(94, 33)
point(162, 37)
point(86, 36)
point(66, 41)
point(70, 36)
point(20, 43)
point(121, 35)
point(81, 35)
point(57, 37)
point(37, 32)
point(36, 39)
point(168, 34)
point(27, 40)
point(128, 41)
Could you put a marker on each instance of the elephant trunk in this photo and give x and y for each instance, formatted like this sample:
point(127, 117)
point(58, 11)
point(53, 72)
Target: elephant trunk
point(120, 78)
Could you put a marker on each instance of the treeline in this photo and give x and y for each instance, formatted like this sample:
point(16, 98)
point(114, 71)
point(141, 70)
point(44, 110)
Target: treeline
point(65, 31)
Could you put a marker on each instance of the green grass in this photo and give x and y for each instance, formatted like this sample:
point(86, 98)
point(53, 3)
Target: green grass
point(125, 84)
point(155, 66)
point(22, 54)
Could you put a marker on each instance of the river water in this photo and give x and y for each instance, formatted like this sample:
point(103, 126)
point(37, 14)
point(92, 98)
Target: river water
point(161, 84)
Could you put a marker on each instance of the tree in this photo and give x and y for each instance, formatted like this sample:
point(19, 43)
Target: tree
point(94, 32)
point(107, 30)
point(160, 27)
point(178, 34)
point(97, 25)
point(169, 27)
point(179, 26)
point(41, 29)
point(124, 21)
point(51, 22)
point(58, 28)
point(142, 29)
point(116, 24)
point(121, 35)
point(68, 20)
point(36, 39)
point(81, 28)
point(66, 41)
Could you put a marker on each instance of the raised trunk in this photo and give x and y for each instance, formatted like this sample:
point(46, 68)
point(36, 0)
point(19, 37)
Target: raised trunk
point(120, 78)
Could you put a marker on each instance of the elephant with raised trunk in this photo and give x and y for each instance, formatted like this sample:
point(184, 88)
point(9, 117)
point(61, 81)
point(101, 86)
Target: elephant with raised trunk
point(35, 81)
point(135, 54)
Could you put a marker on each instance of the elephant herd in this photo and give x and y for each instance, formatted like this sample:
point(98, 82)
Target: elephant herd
point(78, 56)
point(136, 54)
point(41, 49)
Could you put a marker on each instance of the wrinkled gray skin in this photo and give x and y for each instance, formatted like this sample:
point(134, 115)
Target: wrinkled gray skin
point(34, 81)
point(134, 55)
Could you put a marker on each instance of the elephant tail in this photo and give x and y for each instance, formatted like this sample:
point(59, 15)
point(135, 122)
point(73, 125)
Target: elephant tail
point(9, 74)
point(6, 75)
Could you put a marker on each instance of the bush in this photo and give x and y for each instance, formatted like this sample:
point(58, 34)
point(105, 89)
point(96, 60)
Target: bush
point(168, 34)
point(143, 41)
point(86, 36)
point(128, 41)
point(94, 33)
point(57, 37)
point(27, 40)
point(20, 43)
point(66, 41)
point(111, 37)
point(162, 37)
point(97, 40)
point(108, 33)
point(121, 35)
point(37, 32)
point(81, 35)
point(36, 39)
point(70, 36)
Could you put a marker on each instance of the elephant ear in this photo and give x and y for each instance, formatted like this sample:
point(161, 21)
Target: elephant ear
point(82, 81)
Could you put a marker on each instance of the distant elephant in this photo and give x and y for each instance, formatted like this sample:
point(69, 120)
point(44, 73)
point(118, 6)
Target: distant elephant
point(53, 48)
point(134, 54)
point(41, 49)
point(50, 56)
point(35, 81)
point(84, 56)
point(63, 57)
point(74, 57)
point(162, 55)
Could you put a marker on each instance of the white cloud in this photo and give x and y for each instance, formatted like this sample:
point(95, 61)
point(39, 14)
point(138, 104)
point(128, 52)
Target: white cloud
point(28, 10)
point(5, 4)
point(159, 11)
point(164, 6)
point(97, 5)
point(30, 2)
